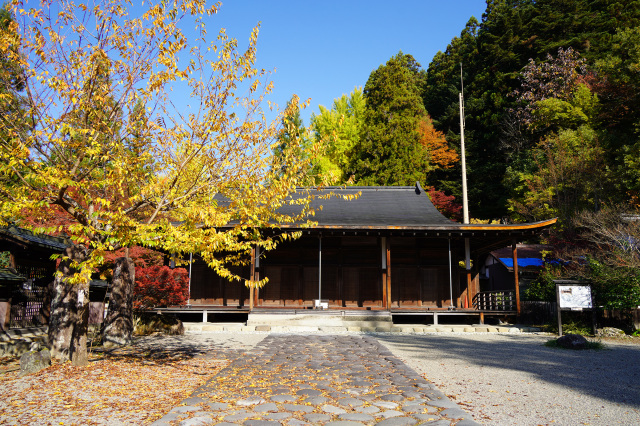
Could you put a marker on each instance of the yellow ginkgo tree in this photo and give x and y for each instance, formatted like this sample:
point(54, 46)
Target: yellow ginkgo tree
point(133, 126)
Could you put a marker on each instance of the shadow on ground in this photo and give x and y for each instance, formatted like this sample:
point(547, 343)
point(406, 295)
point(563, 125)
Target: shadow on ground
point(612, 374)
point(162, 348)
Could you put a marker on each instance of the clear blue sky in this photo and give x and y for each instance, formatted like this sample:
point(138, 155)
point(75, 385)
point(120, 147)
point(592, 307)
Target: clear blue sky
point(323, 49)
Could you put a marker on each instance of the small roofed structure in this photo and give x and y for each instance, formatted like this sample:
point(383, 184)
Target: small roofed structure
point(388, 249)
point(31, 269)
point(9, 278)
point(30, 252)
point(496, 273)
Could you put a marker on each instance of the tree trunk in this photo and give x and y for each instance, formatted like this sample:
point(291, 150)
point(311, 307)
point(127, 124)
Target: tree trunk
point(119, 322)
point(78, 347)
point(64, 305)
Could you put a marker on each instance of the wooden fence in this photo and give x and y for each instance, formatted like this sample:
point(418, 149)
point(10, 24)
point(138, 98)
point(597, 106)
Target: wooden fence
point(26, 305)
point(504, 300)
point(538, 313)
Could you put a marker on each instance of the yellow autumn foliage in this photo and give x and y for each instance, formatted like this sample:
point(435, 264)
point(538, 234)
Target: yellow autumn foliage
point(134, 124)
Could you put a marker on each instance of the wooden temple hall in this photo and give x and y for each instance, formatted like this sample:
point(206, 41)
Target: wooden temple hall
point(388, 250)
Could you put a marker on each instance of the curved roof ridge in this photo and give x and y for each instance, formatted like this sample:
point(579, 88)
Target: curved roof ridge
point(377, 206)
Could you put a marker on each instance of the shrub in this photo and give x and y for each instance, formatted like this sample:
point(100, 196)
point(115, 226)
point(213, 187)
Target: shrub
point(615, 287)
point(542, 288)
point(148, 323)
point(160, 286)
point(571, 325)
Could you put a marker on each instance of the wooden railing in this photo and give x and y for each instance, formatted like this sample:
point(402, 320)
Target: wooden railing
point(504, 300)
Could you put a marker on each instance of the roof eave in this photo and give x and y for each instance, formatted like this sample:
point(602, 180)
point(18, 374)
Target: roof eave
point(459, 228)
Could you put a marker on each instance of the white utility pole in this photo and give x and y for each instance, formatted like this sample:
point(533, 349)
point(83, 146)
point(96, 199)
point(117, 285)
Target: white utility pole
point(465, 202)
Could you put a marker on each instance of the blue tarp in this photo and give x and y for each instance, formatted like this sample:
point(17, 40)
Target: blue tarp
point(523, 262)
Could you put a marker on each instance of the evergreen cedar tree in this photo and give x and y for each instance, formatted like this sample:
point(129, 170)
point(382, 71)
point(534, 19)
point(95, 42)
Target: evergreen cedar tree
point(344, 131)
point(495, 51)
point(389, 151)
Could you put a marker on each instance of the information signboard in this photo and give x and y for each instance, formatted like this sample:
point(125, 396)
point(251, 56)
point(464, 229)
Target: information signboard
point(574, 296)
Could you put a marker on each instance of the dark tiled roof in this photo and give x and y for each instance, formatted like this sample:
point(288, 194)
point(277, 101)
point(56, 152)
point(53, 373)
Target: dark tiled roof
point(7, 274)
point(374, 207)
point(27, 238)
point(391, 208)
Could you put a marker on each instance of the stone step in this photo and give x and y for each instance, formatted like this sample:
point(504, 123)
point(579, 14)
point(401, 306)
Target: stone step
point(197, 328)
point(320, 320)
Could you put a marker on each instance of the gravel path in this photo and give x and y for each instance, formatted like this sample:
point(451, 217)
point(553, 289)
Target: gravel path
point(515, 380)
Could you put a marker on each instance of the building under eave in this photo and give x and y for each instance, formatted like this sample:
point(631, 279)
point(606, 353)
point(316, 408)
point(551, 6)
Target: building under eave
point(389, 249)
point(23, 287)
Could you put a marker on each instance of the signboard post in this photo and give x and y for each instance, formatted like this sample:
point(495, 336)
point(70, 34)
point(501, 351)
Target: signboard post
point(574, 296)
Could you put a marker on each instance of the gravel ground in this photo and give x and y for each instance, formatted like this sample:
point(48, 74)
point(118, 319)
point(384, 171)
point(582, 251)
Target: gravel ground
point(515, 380)
point(199, 343)
point(501, 379)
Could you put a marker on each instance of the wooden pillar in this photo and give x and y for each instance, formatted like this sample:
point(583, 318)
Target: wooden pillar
point(388, 255)
point(300, 285)
point(451, 305)
point(256, 276)
point(256, 293)
point(341, 297)
point(469, 295)
point(252, 279)
point(516, 279)
point(383, 261)
point(320, 268)
point(457, 290)
point(467, 267)
point(419, 274)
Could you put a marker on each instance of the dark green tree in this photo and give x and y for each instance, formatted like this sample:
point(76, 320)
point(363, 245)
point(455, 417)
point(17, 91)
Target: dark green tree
point(389, 151)
point(441, 97)
point(493, 55)
point(293, 129)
